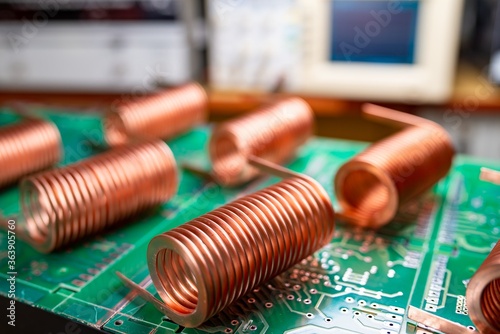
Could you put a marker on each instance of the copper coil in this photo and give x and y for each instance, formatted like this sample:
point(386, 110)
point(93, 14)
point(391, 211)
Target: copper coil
point(483, 294)
point(272, 133)
point(375, 183)
point(26, 147)
point(204, 265)
point(163, 115)
point(64, 205)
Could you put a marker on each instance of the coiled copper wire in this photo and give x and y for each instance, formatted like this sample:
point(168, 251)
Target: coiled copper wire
point(371, 186)
point(272, 133)
point(26, 147)
point(64, 205)
point(204, 265)
point(483, 294)
point(163, 115)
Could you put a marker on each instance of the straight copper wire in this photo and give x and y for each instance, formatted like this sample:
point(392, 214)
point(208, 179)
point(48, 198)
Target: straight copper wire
point(202, 266)
point(483, 294)
point(26, 147)
point(434, 323)
point(163, 115)
point(490, 175)
point(64, 205)
point(371, 186)
point(273, 133)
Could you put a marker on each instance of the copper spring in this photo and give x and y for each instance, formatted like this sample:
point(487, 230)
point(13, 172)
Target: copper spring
point(204, 265)
point(483, 294)
point(64, 205)
point(375, 183)
point(163, 115)
point(26, 147)
point(272, 133)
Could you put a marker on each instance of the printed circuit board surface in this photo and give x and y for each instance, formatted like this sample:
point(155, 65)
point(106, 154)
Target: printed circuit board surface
point(362, 282)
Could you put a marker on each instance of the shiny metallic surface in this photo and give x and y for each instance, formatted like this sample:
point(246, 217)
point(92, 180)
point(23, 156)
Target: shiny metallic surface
point(436, 323)
point(26, 147)
point(163, 115)
point(490, 175)
point(204, 265)
point(371, 186)
point(483, 294)
point(273, 133)
point(64, 205)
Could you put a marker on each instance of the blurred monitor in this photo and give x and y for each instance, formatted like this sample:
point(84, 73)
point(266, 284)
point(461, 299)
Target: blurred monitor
point(361, 49)
point(373, 31)
point(90, 45)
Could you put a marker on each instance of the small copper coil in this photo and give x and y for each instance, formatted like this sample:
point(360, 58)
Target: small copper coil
point(27, 147)
point(483, 294)
point(64, 205)
point(374, 184)
point(163, 115)
point(204, 265)
point(273, 133)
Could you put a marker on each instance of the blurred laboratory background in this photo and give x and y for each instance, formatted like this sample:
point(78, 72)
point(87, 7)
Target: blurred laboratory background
point(437, 59)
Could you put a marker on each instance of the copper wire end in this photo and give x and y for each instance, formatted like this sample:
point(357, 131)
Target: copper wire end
point(490, 175)
point(163, 115)
point(483, 294)
point(202, 266)
point(273, 133)
point(64, 205)
point(371, 186)
point(27, 147)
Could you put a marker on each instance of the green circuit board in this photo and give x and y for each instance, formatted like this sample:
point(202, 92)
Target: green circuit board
point(362, 282)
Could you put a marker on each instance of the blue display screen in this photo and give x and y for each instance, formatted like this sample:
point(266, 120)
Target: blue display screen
point(374, 31)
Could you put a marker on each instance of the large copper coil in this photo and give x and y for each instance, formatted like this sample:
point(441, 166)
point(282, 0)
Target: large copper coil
point(483, 294)
point(204, 265)
point(64, 205)
point(163, 115)
point(272, 133)
point(26, 147)
point(375, 183)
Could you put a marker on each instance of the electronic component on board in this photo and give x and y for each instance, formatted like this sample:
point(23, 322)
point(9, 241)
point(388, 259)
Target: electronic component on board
point(204, 265)
point(483, 294)
point(162, 115)
point(372, 186)
point(273, 133)
point(27, 147)
point(65, 205)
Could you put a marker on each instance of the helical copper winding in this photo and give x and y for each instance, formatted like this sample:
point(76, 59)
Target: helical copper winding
point(483, 294)
point(64, 205)
point(26, 147)
point(204, 265)
point(371, 186)
point(163, 115)
point(273, 133)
